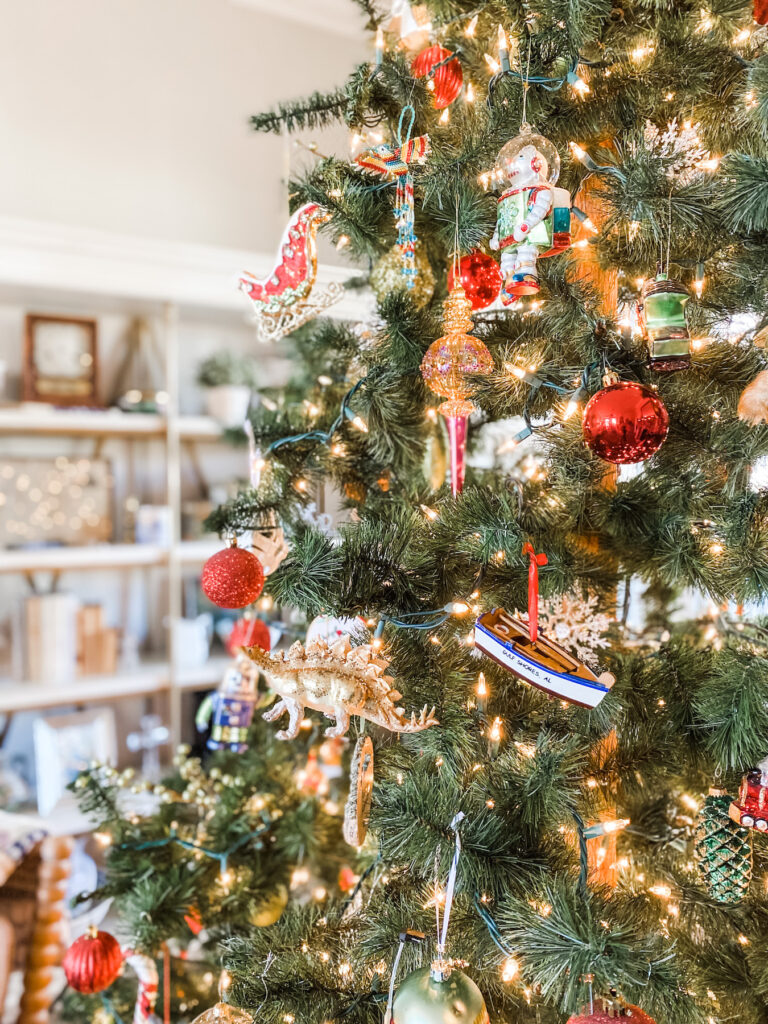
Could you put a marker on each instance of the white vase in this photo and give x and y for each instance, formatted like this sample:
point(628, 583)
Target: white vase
point(228, 404)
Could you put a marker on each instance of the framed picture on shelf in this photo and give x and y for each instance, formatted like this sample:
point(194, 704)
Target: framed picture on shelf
point(60, 360)
point(65, 745)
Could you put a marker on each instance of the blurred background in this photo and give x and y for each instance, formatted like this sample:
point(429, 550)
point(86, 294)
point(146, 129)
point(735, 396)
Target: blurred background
point(132, 194)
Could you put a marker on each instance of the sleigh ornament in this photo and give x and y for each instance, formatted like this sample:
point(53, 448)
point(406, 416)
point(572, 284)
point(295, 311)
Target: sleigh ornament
point(287, 298)
point(534, 657)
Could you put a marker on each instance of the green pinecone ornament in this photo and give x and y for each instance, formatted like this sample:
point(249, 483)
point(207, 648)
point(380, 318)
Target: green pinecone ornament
point(723, 850)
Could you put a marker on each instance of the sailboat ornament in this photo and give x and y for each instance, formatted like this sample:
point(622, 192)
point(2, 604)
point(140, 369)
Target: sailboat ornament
point(532, 656)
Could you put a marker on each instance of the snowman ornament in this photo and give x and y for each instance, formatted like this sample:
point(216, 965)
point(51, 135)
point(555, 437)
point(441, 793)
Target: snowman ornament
point(533, 216)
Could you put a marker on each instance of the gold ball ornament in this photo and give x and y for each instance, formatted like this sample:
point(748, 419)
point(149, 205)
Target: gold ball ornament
point(387, 276)
point(451, 359)
point(223, 1013)
point(439, 994)
point(270, 909)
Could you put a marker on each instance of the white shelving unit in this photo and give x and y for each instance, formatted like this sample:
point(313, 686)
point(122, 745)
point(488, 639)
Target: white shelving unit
point(48, 264)
point(171, 431)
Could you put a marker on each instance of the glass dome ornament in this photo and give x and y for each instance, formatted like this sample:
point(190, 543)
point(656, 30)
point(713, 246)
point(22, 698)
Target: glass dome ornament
point(549, 169)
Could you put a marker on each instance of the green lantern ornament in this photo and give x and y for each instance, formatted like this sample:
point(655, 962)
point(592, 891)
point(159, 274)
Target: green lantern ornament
point(723, 850)
point(661, 312)
point(439, 994)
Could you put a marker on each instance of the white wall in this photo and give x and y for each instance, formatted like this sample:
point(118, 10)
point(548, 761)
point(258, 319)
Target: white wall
point(132, 115)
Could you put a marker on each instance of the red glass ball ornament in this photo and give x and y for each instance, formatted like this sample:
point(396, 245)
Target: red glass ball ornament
point(760, 11)
point(625, 422)
point(232, 578)
point(248, 633)
point(93, 962)
point(448, 78)
point(480, 277)
point(628, 1015)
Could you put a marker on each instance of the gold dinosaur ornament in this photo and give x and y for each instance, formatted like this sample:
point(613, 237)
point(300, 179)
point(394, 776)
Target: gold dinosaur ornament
point(339, 681)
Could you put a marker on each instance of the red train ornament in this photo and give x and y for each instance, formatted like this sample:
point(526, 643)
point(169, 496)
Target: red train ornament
point(750, 808)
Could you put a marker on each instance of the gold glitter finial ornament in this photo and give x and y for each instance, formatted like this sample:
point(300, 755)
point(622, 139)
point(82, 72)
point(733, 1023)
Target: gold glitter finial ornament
point(445, 368)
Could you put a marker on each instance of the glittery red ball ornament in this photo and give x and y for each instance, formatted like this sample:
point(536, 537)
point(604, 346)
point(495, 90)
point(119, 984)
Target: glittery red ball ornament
point(625, 422)
point(248, 633)
point(480, 277)
point(93, 961)
point(447, 79)
point(627, 1014)
point(232, 578)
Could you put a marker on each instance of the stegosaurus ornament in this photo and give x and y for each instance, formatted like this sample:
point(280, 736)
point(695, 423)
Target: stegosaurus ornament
point(338, 680)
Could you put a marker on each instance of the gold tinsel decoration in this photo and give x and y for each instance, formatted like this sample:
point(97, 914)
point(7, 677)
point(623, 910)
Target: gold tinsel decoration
point(387, 276)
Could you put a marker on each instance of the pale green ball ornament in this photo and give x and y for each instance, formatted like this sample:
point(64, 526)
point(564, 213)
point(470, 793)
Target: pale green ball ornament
point(439, 994)
point(387, 276)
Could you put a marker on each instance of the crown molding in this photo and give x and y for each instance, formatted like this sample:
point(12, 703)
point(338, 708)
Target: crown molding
point(330, 15)
point(54, 258)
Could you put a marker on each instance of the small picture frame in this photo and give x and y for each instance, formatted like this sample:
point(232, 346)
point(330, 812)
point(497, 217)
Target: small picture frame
point(60, 360)
point(65, 745)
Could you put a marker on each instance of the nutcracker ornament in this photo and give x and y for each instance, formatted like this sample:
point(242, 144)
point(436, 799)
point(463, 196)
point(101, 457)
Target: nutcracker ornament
point(661, 312)
point(231, 709)
point(723, 850)
point(750, 808)
point(445, 367)
point(533, 216)
point(284, 300)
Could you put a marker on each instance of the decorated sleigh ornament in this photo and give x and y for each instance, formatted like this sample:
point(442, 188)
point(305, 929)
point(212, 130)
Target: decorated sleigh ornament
point(533, 657)
point(286, 299)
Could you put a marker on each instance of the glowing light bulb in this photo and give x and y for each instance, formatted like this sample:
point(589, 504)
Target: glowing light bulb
point(458, 608)
point(482, 687)
point(469, 95)
point(578, 151)
point(469, 31)
point(493, 64)
point(445, 117)
point(359, 424)
point(580, 87)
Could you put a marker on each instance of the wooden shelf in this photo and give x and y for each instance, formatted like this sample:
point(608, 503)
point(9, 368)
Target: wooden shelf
point(92, 556)
point(208, 674)
point(46, 421)
point(195, 552)
point(28, 696)
point(152, 677)
point(105, 556)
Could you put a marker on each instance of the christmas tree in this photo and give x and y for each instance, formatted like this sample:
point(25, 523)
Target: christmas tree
point(564, 208)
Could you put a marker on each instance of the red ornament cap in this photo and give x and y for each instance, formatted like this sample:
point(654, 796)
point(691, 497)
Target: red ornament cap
point(448, 78)
point(480, 277)
point(625, 422)
point(248, 633)
point(232, 578)
point(93, 961)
